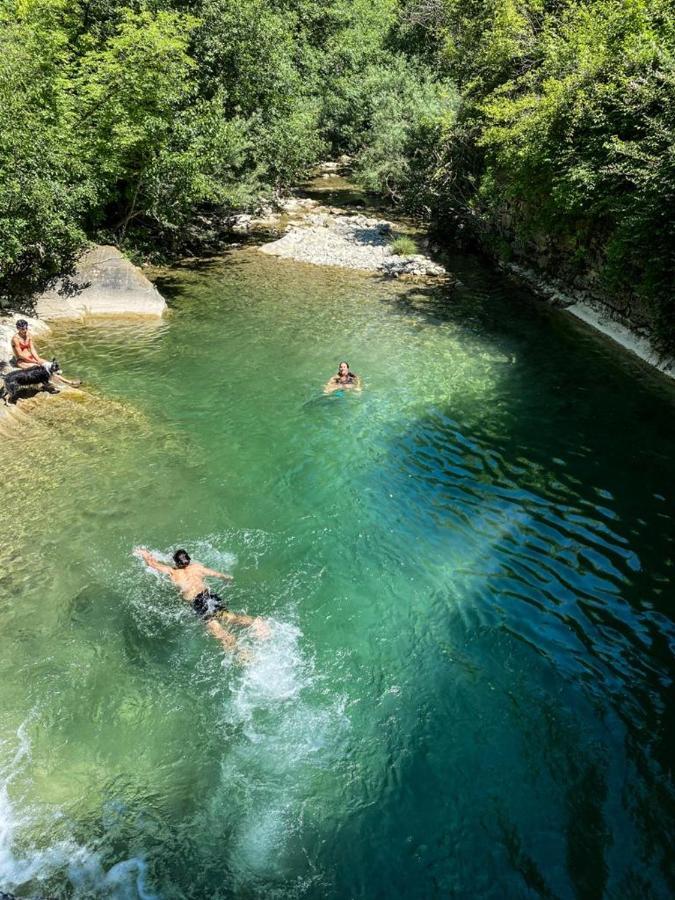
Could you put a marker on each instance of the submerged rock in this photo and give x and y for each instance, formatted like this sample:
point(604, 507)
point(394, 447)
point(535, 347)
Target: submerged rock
point(105, 283)
point(416, 266)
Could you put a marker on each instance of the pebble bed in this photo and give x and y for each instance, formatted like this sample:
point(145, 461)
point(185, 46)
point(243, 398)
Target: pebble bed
point(352, 242)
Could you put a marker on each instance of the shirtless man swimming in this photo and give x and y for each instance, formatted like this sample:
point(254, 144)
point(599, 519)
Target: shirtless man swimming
point(188, 576)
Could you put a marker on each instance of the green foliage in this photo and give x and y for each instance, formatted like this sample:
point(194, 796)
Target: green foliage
point(130, 93)
point(141, 120)
point(400, 109)
point(44, 188)
point(565, 140)
point(404, 246)
point(145, 118)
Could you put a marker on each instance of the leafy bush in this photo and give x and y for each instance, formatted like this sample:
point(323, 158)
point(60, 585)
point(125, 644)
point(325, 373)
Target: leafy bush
point(563, 145)
point(44, 187)
point(401, 105)
point(134, 121)
point(404, 246)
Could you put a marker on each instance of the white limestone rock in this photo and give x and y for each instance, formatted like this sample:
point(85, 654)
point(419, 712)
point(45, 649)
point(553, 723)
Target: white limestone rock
point(324, 238)
point(105, 283)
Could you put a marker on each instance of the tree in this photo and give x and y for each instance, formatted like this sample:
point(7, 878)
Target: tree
point(44, 185)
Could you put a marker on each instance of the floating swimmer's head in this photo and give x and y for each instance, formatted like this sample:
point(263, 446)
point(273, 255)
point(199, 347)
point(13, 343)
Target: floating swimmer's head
point(181, 558)
point(343, 368)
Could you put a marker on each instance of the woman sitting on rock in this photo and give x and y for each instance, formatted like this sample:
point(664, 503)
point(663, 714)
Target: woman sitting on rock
point(345, 378)
point(26, 355)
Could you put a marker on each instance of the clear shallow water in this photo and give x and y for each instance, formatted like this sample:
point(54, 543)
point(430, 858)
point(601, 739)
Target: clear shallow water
point(469, 568)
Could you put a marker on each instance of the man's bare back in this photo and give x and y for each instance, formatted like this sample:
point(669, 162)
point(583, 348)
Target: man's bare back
point(188, 576)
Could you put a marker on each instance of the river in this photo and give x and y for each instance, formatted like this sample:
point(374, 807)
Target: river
point(468, 568)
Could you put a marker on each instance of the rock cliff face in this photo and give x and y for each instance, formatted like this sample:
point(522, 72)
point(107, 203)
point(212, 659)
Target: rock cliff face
point(105, 284)
point(570, 266)
point(566, 274)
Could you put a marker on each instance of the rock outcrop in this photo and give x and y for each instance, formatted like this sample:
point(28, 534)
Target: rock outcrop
point(105, 283)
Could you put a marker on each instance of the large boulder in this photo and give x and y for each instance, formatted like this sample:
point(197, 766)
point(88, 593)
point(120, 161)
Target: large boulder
point(105, 283)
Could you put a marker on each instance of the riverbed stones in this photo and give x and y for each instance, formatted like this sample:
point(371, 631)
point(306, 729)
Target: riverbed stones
point(416, 266)
point(105, 283)
point(325, 238)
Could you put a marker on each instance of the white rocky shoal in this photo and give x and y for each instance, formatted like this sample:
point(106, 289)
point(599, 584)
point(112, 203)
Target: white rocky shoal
point(352, 242)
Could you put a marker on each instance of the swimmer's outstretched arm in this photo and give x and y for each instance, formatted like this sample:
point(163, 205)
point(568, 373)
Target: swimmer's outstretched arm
point(150, 560)
point(331, 385)
point(214, 574)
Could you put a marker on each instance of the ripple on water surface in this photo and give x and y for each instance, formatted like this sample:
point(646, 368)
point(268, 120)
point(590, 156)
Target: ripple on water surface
point(466, 566)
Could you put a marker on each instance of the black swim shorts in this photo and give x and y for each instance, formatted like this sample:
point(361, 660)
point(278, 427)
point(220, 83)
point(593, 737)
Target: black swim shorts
point(207, 605)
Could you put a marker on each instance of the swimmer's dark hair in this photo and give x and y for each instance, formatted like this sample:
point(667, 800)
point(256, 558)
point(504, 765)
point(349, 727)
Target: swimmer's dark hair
point(181, 558)
point(21, 323)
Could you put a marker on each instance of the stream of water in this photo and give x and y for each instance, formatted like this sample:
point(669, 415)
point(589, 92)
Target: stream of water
point(468, 568)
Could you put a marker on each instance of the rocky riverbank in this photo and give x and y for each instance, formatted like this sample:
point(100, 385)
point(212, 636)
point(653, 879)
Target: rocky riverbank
point(598, 315)
point(328, 237)
point(39, 330)
point(105, 283)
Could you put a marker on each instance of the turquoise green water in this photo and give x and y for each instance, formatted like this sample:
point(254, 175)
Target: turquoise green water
point(469, 573)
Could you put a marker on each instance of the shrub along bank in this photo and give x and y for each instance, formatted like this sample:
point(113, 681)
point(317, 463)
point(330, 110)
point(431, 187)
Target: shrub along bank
point(562, 152)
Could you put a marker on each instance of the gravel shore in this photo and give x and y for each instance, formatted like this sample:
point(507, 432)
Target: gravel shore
point(324, 238)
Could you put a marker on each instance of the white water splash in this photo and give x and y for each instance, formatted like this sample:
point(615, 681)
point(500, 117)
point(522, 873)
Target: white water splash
point(289, 733)
point(74, 863)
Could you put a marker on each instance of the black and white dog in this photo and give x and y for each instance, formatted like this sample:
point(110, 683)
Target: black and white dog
point(21, 378)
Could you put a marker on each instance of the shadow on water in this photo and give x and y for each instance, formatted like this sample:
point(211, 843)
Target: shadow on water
point(448, 822)
point(342, 193)
point(536, 563)
point(171, 282)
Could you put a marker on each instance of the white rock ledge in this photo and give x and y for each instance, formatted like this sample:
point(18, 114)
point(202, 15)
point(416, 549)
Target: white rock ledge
point(105, 284)
point(596, 315)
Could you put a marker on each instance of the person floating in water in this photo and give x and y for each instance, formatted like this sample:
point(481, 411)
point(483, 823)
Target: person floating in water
point(26, 355)
point(188, 576)
point(345, 378)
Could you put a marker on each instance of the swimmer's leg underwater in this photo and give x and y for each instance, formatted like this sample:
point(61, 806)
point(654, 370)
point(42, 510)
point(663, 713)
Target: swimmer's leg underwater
point(226, 638)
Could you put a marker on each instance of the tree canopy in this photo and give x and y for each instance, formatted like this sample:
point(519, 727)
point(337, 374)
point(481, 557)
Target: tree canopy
point(546, 125)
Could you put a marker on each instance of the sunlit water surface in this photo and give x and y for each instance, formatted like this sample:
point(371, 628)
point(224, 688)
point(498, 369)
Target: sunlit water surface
point(468, 568)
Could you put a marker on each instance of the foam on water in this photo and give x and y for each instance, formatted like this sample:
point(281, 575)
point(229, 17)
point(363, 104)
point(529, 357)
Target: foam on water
point(289, 732)
point(72, 862)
